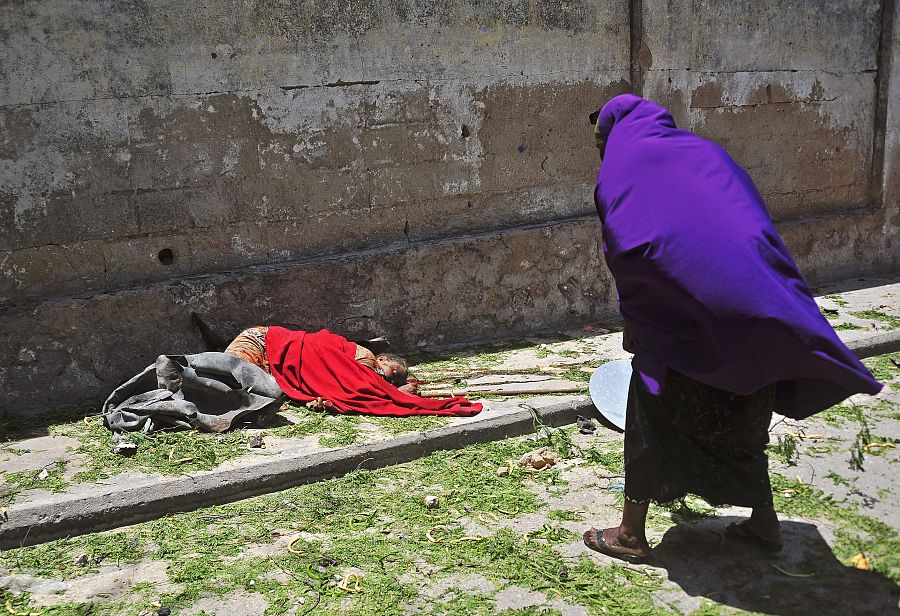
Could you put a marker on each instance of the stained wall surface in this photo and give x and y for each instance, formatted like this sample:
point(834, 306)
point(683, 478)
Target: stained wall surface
point(421, 169)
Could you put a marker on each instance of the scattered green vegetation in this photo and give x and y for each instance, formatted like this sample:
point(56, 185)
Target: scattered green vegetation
point(568, 353)
point(847, 326)
point(460, 365)
point(611, 460)
point(48, 478)
point(785, 449)
point(375, 523)
point(417, 423)
point(558, 440)
point(885, 368)
point(164, 452)
point(855, 533)
point(371, 522)
point(579, 373)
point(867, 443)
point(837, 299)
point(839, 414)
point(837, 479)
point(183, 451)
point(874, 315)
point(563, 515)
point(334, 430)
point(553, 534)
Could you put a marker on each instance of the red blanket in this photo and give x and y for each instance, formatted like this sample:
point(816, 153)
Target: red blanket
point(322, 365)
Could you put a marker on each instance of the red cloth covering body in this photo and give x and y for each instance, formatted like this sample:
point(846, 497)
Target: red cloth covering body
point(322, 365)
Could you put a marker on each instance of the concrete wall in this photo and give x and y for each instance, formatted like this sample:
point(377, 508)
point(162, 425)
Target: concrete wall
point(416, 168)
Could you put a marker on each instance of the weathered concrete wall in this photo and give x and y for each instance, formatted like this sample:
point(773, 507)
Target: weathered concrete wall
point(416, 168)
point(253, 133)
point(797, 94)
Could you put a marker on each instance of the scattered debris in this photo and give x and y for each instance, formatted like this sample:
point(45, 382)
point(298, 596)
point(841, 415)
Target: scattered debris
point(538, 459)
point(789, 574)
point(257, 442)
point(351, 583)
point(43, 474)
point(431, 501)
point(120, 445)
point(585, 425)
point(616, 486)
point(861, 561)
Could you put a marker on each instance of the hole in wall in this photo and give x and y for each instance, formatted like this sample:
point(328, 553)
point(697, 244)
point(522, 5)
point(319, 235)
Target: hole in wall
point(214, 55)
point(166, 256)
point(465, 132)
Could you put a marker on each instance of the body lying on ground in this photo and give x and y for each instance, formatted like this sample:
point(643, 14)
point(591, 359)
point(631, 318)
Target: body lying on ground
point(250, 345)
point(259, 370)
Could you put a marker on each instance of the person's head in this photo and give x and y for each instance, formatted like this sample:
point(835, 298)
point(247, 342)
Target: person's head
point(599, 137)
point(392, 368)
point(640, 112)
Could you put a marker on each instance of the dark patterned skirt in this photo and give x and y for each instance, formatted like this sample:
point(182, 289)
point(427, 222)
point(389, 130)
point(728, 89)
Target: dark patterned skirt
point(697, 439)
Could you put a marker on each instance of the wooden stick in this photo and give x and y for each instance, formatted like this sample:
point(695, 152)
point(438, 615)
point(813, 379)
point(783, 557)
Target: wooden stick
point(558, 389)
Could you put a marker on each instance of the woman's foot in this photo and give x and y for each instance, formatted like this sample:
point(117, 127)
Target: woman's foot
point(613, 542)
point(762, 534)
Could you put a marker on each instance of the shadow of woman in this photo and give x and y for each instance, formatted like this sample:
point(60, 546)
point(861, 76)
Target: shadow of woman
point(805, 578)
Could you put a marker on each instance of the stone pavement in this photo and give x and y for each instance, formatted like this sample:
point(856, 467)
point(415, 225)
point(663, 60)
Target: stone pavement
point(53, 496)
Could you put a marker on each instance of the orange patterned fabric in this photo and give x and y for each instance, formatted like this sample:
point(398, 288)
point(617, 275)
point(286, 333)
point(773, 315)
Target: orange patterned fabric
point(365, 357)
point(250, 345)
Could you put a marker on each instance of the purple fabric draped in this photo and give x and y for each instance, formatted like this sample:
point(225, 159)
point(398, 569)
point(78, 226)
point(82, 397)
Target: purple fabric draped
point(705, 282)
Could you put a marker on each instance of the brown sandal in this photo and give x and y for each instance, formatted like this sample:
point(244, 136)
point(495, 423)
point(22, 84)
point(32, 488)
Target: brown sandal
point(598, 544)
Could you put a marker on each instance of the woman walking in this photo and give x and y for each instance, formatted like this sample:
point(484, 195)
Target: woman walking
point(723, 327)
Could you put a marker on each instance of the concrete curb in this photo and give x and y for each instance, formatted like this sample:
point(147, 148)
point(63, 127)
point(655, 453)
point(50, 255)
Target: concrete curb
point(71, 515)
point(876, 344)
point(107, 508)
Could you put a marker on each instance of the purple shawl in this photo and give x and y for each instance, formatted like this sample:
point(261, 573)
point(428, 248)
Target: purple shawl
point(705, 283)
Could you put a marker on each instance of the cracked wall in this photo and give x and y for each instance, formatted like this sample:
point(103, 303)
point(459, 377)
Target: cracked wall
point(246, 135)
point(416, 168)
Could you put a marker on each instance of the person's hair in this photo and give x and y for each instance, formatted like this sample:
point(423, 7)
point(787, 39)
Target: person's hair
point(398, 378)
point(394, 359)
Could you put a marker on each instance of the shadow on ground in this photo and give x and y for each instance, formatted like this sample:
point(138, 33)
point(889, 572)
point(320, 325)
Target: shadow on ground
point(700, 560)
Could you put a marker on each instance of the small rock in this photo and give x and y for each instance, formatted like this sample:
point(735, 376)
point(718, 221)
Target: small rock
point(538, 459)
point(503, 471)
point(43, 474)
point(122, 446)
point(431, 501)
point(81, 560)
point(164, 611)
point(585, 425)
point(257, 442)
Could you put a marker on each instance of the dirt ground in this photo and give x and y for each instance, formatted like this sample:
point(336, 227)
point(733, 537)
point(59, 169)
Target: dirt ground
point(506, 541)
point(499, 539)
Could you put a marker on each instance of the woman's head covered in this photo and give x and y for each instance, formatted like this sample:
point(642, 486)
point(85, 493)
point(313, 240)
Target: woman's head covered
point(630, 106)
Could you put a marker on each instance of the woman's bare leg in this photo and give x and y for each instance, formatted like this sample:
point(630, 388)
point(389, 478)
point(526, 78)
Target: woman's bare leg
point(631, 532)
point(627, 539)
